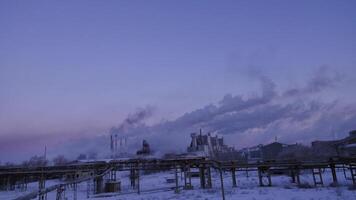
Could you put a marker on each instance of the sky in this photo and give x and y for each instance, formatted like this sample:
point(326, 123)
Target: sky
point(71, 70)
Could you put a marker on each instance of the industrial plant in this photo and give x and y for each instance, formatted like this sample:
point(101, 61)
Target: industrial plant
point(205, 153)
point(178, 100)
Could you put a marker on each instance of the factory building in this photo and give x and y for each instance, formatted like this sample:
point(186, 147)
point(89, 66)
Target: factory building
point(264, 152)
point(209, 146)
point(343, 147)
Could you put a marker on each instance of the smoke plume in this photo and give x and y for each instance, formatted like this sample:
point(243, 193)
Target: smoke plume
point(133, 120)
point(260, 118)
point(294, 115)
point(324, 77)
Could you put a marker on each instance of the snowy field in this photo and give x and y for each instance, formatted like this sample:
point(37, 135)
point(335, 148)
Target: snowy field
point(155, 187)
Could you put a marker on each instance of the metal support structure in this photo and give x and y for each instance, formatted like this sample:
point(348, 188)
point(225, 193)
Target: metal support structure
point(333, 172)
point(11, 178)
point(317, 173)
point(181, 173)
point(98, 182)
point(187, 179)
point(88, 189)
point(233, 175)
point(75, 189)
point(133, 177)
point(353, 173)
point(138, 181)
point(344, 170)
point(269, 178)
point(8, 183)
point(260, 176)
point(190, 178)
point(209, 183)
point(264, 173)
point(202, 176)
point(24, 183)
point(297, 174)
point(176, 180)
point(60, 193)
point(222, 184)
point(112, 175)
point(41, 188)
point(292, 175)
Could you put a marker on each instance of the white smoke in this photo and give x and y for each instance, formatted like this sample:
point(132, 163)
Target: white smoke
point(291, 116)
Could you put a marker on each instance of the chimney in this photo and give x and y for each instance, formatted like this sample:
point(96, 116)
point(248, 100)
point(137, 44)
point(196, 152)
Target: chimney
point(353, 133)
point(194, 140)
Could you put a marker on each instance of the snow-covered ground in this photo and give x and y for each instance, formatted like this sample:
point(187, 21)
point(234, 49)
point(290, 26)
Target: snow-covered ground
point(155, 187)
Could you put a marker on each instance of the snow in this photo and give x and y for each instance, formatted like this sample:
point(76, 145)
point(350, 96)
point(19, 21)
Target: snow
point(30, 188)
point(155, 187)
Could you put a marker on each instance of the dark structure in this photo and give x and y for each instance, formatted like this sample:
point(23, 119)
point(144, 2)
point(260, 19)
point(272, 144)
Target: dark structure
point(189, 168)
point(342, 147)
point(271, 151)
point(263, 152)
point(145, 149)
point(252, 153)
point(208, 145)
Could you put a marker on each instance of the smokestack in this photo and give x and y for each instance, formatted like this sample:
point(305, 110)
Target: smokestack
point(111, 144)
point(115, 146)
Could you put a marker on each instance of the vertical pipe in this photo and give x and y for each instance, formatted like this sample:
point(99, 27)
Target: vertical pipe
point(314, 177)
point(260, 176)
point(292, 175)
point(185, 177)
point(233, 177)
point(222, 184)
point(8, 183)
point(181, 173)
point(209, 177)
point(88, 189)
point(321, 177)
point(353, 174)
point(333, 171)
point(269, 178)
point(41, 185)
point(138, 181)
point(99, 184)
point(132, 177)
point(298, 177)
point(176, 177)
point(189, 178)
point(202, 176)
point(75, 191)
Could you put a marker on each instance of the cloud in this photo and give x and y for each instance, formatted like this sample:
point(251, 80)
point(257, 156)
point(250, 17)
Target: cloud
point(324, 77)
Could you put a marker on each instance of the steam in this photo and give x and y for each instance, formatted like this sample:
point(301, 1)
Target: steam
point(259, 118)
point(292, 116)
point(324, 77)
point(133, 120)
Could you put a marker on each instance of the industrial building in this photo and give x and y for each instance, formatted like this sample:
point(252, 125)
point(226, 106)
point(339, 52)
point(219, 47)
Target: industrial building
point(210, 145)
point(344, 147)
point(261, 152)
